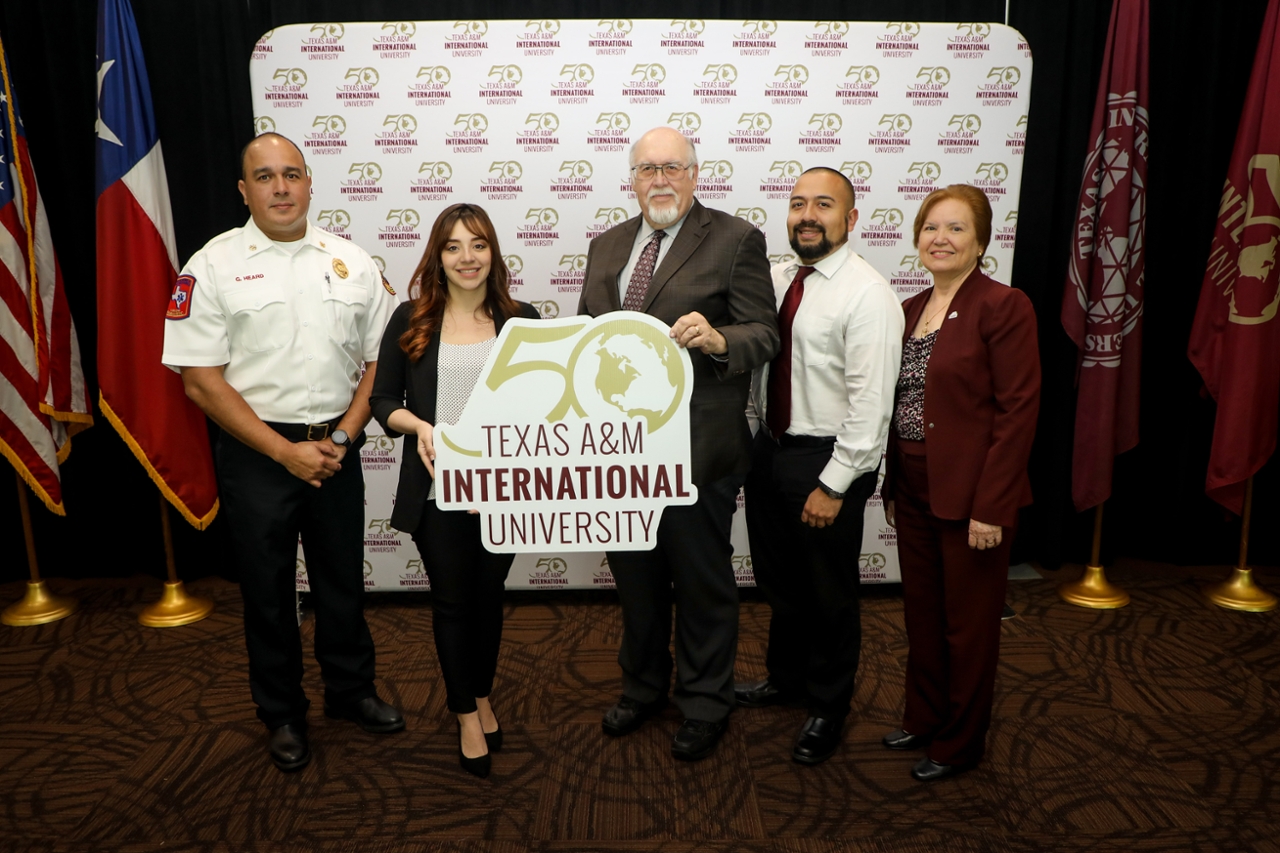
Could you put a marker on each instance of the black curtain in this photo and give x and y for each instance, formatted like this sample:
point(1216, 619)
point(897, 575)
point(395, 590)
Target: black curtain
point(198, 58)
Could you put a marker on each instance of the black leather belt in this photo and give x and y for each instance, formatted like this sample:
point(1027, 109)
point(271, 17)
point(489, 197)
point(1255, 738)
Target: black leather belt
point(305, 432)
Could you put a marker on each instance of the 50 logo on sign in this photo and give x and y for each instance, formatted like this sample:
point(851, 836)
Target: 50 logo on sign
point(399, 134)
point(503, 180)
point(598, 467)
point(717, 85)
point(432, 91)
point(543, 135)
point(503, 85)
point(432, 181)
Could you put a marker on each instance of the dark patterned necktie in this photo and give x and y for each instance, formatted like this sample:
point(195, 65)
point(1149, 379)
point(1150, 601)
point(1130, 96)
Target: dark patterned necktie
point(642, 274)
point(778, 412)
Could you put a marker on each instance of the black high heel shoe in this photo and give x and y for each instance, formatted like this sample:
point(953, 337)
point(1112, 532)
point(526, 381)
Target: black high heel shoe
point(494, 739)
point(478, 766)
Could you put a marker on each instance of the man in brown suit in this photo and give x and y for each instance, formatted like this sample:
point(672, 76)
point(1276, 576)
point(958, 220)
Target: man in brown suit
point(706, 274)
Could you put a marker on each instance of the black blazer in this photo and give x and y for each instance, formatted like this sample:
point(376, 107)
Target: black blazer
point(403, 384)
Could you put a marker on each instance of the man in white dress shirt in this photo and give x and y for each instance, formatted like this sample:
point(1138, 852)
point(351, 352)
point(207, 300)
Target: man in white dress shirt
point(270, 325)
point(825, 404)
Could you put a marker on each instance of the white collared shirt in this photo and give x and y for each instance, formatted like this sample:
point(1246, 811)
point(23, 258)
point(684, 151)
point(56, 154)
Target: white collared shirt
point(642, 239)
point(846, 348)
point(293, 328)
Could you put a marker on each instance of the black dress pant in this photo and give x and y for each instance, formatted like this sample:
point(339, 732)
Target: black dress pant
point(266, 509)
point(692, 567)
point(810, 575)
point(466, 602)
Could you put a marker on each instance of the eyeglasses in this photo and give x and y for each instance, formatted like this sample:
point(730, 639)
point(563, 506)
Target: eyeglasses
point(647, 171)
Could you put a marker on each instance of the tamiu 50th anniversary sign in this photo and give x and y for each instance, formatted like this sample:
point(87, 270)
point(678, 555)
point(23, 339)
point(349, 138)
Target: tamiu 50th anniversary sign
point(575, 437)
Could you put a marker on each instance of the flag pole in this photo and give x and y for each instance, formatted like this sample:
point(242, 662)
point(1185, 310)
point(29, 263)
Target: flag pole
point(1239, 592)
point(175, 607)
point(39, 605)
point(1093, 589)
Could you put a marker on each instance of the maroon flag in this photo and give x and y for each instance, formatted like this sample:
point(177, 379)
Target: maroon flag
point(1102, 301)
point(1235, 340)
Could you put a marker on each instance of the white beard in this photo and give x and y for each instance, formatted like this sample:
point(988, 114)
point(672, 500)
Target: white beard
point(661, 215)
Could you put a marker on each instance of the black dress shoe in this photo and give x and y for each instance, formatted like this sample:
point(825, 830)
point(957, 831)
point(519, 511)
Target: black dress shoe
point(371, 714)
point(818, 740)
point(696, 739)
point(494, 739)
point(288, 747)
point(761, 694)
point(928, 770)
point(478, 766)
point(899, 739)
point(627, 716)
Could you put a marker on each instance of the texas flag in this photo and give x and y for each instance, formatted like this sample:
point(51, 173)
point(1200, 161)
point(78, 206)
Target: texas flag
point(137, 269)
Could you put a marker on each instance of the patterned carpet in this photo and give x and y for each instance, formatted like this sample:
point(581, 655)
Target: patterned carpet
point(1152, 728)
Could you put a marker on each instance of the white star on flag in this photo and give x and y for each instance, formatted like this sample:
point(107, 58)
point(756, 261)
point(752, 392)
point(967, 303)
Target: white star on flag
point(101, 128)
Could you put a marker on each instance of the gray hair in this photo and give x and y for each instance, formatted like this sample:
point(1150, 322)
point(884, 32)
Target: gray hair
point(693, 152)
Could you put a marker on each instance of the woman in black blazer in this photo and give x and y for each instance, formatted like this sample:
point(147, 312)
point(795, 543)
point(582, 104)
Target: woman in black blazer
point(431, 355)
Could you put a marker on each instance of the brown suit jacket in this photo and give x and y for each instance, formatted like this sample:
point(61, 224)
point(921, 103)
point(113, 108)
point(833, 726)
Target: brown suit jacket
point(981, 400)
point(717, 266)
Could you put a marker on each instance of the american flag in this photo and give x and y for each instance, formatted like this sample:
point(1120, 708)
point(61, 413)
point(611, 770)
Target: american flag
point(43, 399)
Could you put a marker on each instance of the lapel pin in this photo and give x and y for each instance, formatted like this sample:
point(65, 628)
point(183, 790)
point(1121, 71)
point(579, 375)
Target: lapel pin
point(952, 315)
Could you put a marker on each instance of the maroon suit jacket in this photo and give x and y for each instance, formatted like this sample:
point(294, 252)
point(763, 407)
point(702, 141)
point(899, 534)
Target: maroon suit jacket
point(981, 399)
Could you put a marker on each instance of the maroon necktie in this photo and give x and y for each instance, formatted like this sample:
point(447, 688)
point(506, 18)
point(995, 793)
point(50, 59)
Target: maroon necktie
point(778, 413)
point(642, 274)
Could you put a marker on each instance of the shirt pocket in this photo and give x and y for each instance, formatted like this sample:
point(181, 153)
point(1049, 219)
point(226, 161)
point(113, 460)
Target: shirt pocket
point(813, 335)
point(260, 320)
point(345, 306)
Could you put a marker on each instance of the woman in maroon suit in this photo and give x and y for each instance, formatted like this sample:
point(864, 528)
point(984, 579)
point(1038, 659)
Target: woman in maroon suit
point(956, 474)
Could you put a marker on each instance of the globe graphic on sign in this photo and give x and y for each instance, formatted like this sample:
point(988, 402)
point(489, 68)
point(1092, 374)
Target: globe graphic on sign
point(629, 367)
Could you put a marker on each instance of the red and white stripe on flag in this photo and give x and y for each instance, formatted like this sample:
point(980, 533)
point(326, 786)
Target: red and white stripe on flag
point(43, 399)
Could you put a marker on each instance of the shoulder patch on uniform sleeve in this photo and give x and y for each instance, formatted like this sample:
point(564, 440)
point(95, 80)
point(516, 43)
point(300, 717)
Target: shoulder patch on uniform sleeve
point(180, 302)
point(386, 284)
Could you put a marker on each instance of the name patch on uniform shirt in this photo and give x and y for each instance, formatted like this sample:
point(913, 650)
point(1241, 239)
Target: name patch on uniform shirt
point(180, 301)
point(386, 284)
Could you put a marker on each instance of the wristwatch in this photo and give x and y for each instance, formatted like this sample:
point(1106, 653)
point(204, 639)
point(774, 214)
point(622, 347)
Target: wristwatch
point(830, 492)
point(340, 438)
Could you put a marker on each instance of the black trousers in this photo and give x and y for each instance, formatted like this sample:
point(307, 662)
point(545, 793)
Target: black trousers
point(267, 508)
point(466, 602)
point(692, 567)
point(809, 575)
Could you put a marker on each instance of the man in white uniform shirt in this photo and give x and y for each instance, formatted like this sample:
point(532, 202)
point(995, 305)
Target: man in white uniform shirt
point(825, 405)
point(270, 325)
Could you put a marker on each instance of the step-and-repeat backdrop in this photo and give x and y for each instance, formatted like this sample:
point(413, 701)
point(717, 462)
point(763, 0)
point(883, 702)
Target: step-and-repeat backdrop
point(533, 120)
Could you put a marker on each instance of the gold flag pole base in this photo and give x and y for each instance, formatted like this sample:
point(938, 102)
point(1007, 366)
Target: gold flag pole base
point(1094, 590)
point(175, 608)
point(1239, 592)
point(38, 606)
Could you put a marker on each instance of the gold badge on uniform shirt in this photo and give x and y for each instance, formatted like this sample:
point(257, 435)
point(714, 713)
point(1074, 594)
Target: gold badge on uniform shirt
point(340, 268)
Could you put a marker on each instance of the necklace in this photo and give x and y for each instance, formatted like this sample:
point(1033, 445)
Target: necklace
point(930, 317)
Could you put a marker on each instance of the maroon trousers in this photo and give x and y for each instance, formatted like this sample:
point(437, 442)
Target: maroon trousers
point(953, 598)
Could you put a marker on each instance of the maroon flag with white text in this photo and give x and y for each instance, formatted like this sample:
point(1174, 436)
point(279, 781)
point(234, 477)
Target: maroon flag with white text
point(1102, 301)
point(1235, 340)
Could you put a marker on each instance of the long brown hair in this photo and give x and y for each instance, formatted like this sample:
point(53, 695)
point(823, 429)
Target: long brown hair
point(429, 289)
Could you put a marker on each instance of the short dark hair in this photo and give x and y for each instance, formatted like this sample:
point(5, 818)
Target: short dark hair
point(844, 179)
point(974, 198)
point(244, 152)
